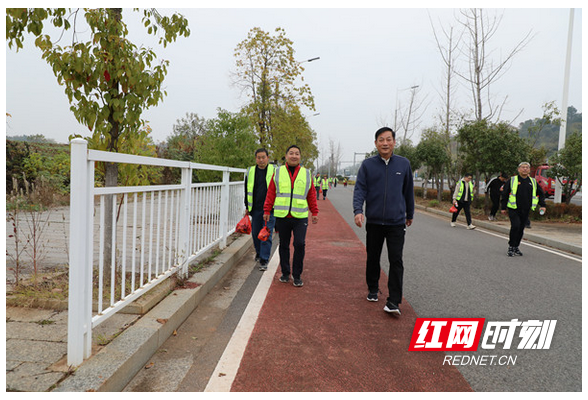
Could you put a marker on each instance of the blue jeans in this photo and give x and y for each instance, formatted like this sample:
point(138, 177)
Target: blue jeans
point(262, 249)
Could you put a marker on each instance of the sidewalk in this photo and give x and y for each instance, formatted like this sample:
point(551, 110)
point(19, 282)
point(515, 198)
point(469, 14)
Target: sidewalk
point(36, 339)
point(310, 347)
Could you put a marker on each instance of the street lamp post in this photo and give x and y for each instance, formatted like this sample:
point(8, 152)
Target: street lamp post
point(564, 111)
point(309, 60)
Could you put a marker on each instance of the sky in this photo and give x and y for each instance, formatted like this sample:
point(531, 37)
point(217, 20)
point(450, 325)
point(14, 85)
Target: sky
point(369, 59)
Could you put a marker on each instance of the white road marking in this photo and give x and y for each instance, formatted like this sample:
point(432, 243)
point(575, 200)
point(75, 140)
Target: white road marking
point(537, 246)
point(226, 370)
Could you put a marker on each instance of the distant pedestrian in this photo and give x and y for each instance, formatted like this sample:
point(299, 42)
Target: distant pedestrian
point(325, 186)
point(291, 197)
point(317, 184)
point(520, 196)
point(257, 180)
point(462, 199)
point(385, 184)
point(494, 189)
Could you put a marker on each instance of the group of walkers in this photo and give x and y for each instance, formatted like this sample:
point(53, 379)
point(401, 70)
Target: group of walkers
point(516, 196)
point(282, 197)
point(323, 183)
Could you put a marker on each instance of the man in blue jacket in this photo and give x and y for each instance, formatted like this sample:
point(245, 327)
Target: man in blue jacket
point(384, 182)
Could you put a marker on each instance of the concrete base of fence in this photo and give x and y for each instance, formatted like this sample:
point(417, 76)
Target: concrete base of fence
point(114, 366)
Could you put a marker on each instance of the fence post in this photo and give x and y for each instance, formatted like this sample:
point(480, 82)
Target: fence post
point(185, 219)
point(224, 209)
point(79, 326)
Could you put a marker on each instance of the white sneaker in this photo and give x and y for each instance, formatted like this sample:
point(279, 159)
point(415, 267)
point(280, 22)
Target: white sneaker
point(453, 224)
point(470, 226)
point(490, 218)
point(391, 308)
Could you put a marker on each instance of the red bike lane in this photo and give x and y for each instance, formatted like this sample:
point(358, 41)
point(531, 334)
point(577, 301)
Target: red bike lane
point(326, 337)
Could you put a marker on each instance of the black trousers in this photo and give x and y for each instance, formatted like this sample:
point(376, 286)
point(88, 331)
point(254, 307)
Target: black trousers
point(518, 219)
point(288, 227)
point(465, 205)
point(495, 204)
point(394, 236)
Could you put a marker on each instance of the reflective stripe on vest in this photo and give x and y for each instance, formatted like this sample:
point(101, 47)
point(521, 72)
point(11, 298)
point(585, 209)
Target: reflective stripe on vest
point(288, 200)
point(251, 181)
point(512, 197)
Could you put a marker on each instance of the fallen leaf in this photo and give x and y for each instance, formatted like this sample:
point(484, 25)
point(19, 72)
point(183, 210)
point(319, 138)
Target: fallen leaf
point(161, 320)
point(221, 374)
point(175, 333)
point(149, 365)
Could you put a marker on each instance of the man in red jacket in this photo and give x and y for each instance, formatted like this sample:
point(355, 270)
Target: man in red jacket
point(289, 182)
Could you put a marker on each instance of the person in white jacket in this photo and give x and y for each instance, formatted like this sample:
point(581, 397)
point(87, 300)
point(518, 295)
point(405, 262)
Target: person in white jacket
point(462, 199)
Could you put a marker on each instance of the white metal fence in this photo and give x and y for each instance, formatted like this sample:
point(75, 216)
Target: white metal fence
point(157, 231)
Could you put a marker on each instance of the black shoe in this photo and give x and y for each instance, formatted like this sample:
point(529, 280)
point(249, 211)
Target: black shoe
point(263, 265)
point(257, 259)
point(516, 251)
point(298, 282)
point(285, 278)
point(391, 308)
point(510, 252)
point(372, 296)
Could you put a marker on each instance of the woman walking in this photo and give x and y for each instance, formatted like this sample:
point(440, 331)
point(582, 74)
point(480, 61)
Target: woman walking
point(290, 196)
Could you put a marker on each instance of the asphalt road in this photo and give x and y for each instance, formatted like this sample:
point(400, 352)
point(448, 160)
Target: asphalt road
point(458, 273)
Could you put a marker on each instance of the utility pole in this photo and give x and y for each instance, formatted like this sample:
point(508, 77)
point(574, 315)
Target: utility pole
point(564, 110)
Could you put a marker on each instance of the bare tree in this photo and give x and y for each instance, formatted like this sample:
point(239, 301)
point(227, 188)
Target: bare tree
point(334, 156)
point(448, 55)
point(408, 118)
point(448, 47)
point(483, 70)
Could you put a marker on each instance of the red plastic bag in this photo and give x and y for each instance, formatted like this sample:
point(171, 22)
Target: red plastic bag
point(264, 233)
point(244, 226)
point(453, 209)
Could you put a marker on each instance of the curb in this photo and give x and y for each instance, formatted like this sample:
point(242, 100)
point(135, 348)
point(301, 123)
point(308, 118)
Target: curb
point(571, 248)
point(115, 365)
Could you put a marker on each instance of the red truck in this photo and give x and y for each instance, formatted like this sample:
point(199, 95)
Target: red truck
point(546, 183)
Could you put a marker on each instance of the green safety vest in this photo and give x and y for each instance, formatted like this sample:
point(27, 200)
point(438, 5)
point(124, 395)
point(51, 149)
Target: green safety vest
point(514, 186)
point(288, 200)
point(251, 181)
point(461, 188)
point(325, 183)
point(317, 181)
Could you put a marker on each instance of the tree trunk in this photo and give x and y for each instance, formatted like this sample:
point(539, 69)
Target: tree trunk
point(111, 173)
